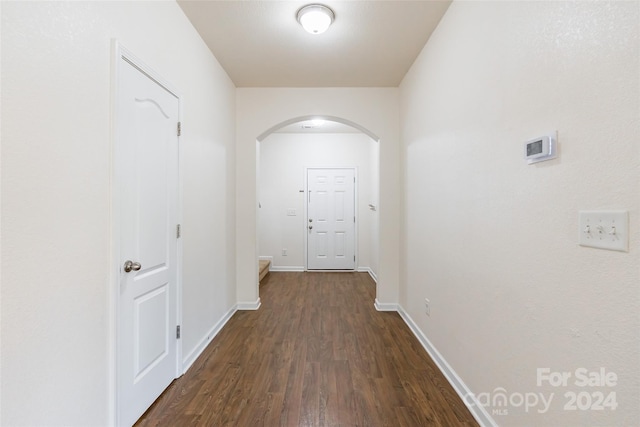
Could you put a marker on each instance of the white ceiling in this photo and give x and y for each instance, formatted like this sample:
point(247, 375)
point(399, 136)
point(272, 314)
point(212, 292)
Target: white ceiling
point(371, 43)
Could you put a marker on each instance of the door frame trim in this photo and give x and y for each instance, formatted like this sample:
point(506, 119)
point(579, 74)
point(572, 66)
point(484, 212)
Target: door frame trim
point(118, 53)
point(355, 212)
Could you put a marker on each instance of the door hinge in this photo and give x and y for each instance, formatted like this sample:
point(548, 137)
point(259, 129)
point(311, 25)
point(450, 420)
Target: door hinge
point(354, 258)
point(354, 218)
point(179, 129)
point(178, 332)
point(178, 231)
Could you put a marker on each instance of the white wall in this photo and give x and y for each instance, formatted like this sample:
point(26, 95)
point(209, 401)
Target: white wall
point(283, 159)
point(57, 322)
point(491, 240)
point(260, 109)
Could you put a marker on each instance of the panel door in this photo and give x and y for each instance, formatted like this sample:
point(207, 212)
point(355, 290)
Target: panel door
point(147, 173)
point(331, 219)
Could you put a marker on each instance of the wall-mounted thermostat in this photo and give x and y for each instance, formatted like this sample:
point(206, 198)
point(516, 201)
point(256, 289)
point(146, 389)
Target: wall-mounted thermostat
point(541, 148)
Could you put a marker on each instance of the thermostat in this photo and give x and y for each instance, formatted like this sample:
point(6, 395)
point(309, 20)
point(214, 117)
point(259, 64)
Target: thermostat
point(541, 148)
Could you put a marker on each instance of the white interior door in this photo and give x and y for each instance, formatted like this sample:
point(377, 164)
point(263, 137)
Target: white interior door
point(146, 164)
point(331, 219)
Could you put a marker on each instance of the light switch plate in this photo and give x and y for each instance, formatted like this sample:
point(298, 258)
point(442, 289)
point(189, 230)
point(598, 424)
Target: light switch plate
point(291, 212)
point(604, 230)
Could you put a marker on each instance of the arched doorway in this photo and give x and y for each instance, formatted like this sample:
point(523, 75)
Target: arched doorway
point(285, 152)
point(262, 110)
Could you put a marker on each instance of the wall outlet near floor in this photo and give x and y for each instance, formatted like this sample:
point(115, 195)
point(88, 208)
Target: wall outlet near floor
point(284, 252)
point(427, 306)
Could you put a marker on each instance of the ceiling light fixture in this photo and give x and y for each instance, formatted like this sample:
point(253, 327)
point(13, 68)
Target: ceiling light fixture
point(315, 18)
point(313, 124)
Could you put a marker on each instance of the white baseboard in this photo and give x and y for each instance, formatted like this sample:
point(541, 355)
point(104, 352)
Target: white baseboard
point(249, 305)
point(285, 268)
point(469, 399)
point(382, 306)
point(370, 271)
point(204, 342)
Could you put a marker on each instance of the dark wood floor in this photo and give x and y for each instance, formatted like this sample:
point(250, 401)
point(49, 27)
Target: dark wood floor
point(317, 353)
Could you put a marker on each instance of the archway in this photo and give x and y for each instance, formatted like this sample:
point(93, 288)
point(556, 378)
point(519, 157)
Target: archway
point(283, 154)
point(373, 110)
point(346, 122)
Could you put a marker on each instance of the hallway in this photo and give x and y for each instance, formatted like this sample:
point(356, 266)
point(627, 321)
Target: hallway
point(463, 222)
point(316, 353)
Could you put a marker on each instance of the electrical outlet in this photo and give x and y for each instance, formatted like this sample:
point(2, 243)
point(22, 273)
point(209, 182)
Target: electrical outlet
point(284, 252)
point(427, 306)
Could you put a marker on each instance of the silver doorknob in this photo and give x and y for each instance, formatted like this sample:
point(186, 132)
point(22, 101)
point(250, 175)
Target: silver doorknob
point(310, 227)
point(131, 266)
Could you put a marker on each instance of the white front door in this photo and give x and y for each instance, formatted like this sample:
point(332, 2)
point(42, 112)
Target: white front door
point(146, 165)
point(331, 219)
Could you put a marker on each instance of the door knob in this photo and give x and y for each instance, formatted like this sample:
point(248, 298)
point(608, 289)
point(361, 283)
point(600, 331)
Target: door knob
point(131, 266)
point(310, 227)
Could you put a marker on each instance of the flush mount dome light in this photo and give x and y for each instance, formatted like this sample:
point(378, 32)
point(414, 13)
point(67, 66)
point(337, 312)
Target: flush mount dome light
point(315, 18)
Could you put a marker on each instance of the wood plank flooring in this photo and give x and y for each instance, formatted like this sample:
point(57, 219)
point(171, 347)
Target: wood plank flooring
point(316, 353)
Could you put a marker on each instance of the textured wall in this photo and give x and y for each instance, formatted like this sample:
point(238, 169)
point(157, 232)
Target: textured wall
point(491, 240)
point(57, 324)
